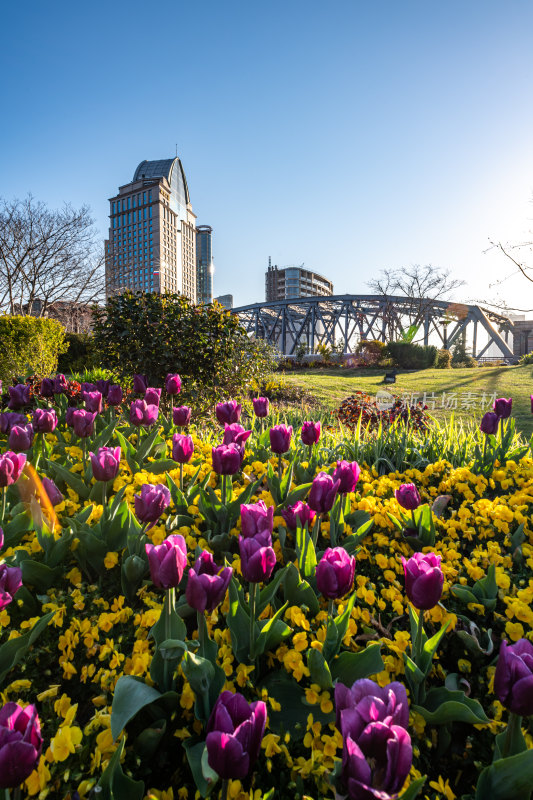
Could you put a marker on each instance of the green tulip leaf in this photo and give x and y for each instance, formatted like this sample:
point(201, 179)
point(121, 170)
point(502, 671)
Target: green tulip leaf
point(350, 667)
point(507, 778)
point(114, 785)
point(443, 706)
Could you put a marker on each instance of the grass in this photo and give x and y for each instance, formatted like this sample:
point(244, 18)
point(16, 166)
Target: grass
point(468, 393)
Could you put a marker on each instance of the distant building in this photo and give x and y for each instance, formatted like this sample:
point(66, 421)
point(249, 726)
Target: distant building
point(225, 300)
point(284, 283)
point(205, 268)
point(75, 317)
point(152, 233)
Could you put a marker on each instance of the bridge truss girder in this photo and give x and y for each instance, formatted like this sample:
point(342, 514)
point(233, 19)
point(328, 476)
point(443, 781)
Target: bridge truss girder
point(349, 318)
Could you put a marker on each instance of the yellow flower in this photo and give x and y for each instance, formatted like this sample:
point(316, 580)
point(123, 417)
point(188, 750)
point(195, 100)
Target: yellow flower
point(443, 787)
point(111, 560)
point(38, 779)
point(515, 630)
point(242, 674)
point(64, 742)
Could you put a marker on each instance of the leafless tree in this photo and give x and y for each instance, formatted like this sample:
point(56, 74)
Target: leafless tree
point(421, 284)
point(49, 259)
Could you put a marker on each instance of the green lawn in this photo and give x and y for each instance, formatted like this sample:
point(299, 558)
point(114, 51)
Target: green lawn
point(467, 393)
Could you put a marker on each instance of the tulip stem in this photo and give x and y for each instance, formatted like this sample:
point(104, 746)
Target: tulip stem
point(181, 477)
point(84, 453)
point(202, 632)
point(316, 528)
point(512, 733)
point(43, 447)
point(224, 790)
point(418, 640)
point(280, 468)
point(415, 526)
point(252, 619)
point(331, 609)
point(104, 497)
point(310, 453)
point(168, 611)
point(224, 488)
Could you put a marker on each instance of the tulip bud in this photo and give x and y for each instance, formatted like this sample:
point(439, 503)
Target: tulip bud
point(151, 502)
point(69, 416)
point(11, 466)
point(227, 459)
point(181, 416)
point(424, 579)
point(235, 433)
point(503, 407)
point(310, 433)
point(105, 463)
point(234, 734)
point(8, 420)
point(54, 495)
point(257, 560)
point(407, 496)
point(103, 386)
point(229, 412)
point(114, 395)
point(133, 569)
point(335, 573)
point(347, 473)
point(280, 438)
point(513, 679)
point(489, 423)
point(182, 448)
point(93, 401)
point(140, 384)
point(257, 521)
point(60, 384)
point(19, 396)
point(323, 492)
point(143, 414)
point(299, 511)
point(261, 406)
point(83, 422)
point(207, 583)
point(20, 437)
point(20, 744)
point(47, 387)
point(173, 384)
point(167, 561)
point(152, 396)
point(10, 583)
point(44, 421)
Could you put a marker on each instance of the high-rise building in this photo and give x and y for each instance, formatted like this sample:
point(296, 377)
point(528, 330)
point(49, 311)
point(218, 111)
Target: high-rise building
point(152, 233)
point(225, 300)
point(283, 283)
point(204, 264)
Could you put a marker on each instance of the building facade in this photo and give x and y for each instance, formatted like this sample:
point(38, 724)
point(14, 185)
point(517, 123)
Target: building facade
point(225, 300)
point(205, 268)
point(284, 283)
point(152, 234)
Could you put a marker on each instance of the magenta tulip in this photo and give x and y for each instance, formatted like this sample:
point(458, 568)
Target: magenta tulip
point(207, 583)
point(172, 384)
point(140, 384)
point(20, 744)
point(182, 448)
point(181, 416)
point(114, 395)
point(151, 502)
point(227, 459)
point(257, 559)
point(11, 466)
point(105, 463)
point(347, 473)
point(152, 396)
point(280, 438)
point(257, 521)
point(503, 407)
point(229, 412)
point(299, 511)
point(261, 406)
point(407, 496)
point(335, 573)
point(143, 414)
point(47, 387)
point(8, 419)
point(93, 401)
point(20, 437)
point(310, 433)
point(167, 561)
point(19, 396)
point(323, 492)
point(234, 734)
point(424, 579)
point(83, 422)
point(10, 583)
point(513, 679)
point(53, 493)
point(235, 433)
point(489, 423)
point(44, 420)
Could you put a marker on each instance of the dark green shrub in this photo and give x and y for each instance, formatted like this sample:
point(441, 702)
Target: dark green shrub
point(525, 359)
point(79, 354)
point(407, 355)
point(444, 359)
point(30, 346)
point(370, 352)
point(156, 334)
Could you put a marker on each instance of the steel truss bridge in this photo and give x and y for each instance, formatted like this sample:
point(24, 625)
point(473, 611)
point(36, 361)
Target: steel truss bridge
point(349, 318)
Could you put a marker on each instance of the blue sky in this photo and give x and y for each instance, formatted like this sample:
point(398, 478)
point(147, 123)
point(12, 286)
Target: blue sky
point(350, 136)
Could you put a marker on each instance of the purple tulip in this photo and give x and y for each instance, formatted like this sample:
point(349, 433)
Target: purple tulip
point(323, 492)
point(103, 386)
point(257, 560)
point(167, 561)
point(503, 406)
point(20, 437)
point(114, 395)
point(20, 744)
point(235, 433)
point(83, 422)
point(513, 680)
point(44, 420)
point(60, 384)
point(234, 734)
point(489, 423)
point(140, 384)
point(407, 496)
point(10, 583)
point(86, 386)
point(377, 754)
point(105, 463)
point(182, 448)
point(8, 419)
point(424, 579)
point(19, 396)
point(47, 387)
point(181, 416)
point(207, 583)
point(280, 438)
point(261, 406)
point(227, 459)
point(54, 495)
point(347, 473)
point(257, 521)
point(335, 573)
point(151, 502)
point(389, 701)
point(299, 511)
point(173, 384)
point(93, 401)
point(11, 466)
point(152, 396)
point(69, 416)
point(310, 433)
point(229, 412)
point(143, 414)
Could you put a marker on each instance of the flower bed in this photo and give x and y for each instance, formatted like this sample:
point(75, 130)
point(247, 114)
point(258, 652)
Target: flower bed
point(149, 661)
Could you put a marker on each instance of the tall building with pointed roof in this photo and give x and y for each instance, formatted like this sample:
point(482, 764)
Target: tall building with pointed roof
point(152, 232)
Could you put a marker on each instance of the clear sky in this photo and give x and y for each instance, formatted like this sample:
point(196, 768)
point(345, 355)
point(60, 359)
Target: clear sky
point(350, 136)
